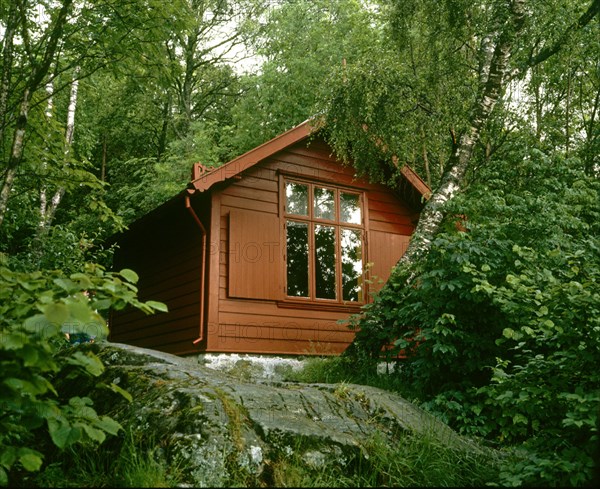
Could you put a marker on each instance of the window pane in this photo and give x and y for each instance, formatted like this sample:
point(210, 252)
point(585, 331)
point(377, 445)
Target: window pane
point(351, 265)
point(325, 262)
point(296, 198)
point(350, 208)
point(297, 259)
point(324, 203)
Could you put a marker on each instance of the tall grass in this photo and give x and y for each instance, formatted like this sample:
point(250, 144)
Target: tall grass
point(416, 461)
point(124, 462)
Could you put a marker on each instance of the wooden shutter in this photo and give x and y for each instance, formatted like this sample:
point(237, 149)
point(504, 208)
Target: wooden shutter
point(385, 249)
point(255, 255)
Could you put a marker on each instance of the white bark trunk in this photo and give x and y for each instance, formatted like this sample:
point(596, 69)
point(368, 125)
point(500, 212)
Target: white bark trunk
point(50, 211)
point(7, 56)
point(492, 83)
point(43, 197)
point(16, 154)
point(39, 70)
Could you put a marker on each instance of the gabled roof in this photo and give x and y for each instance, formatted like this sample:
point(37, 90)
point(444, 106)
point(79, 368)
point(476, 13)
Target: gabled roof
point(204, 178)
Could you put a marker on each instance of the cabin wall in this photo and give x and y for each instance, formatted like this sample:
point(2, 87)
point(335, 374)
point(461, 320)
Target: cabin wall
point(166, 253)
point(270, 324)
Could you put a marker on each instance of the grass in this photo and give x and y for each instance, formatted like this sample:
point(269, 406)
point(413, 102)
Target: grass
point(418, 461)
point(126, 461)
point(339, 369)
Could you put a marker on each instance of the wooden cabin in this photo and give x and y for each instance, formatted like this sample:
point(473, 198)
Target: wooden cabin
point(266, 253)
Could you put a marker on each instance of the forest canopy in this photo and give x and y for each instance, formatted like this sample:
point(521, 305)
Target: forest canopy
point(105, 105)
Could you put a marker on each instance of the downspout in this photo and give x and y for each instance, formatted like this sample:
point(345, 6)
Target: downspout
point(189, 207)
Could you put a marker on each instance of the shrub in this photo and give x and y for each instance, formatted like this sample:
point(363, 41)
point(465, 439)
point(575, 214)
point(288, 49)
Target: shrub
point(501, 323)
point(37, 311)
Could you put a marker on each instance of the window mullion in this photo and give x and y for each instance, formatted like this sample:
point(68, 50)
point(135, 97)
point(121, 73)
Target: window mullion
point(338, 264)
point(312, 284)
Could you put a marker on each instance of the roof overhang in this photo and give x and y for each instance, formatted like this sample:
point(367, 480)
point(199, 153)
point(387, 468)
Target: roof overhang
point(204, 178)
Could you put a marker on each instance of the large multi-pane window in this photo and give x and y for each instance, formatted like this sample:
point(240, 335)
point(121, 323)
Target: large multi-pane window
point(324, 242)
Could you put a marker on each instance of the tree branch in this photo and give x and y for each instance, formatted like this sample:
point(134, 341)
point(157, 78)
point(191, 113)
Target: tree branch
point(579, 24)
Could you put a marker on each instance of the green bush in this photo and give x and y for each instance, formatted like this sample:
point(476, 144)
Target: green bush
point(501, 324)
point(37, 313)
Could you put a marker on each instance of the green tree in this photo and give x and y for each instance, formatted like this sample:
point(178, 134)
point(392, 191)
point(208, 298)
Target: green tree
point(451, 62)
point(300, 44)
point(44, 44)
point(498, 323)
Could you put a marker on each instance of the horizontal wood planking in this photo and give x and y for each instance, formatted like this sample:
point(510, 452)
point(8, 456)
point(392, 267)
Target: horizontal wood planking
point(386, 213)
point(175, 344)
point(278, 347)
point(270, 310)
point(265, 331)
point(385, 251)
point(185, 331)
point(168, 261)
point(230, 201)
point(130, 318)
point(255, 194)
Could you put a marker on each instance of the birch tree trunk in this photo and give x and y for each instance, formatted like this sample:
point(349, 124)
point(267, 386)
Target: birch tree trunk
point(43, 190)
point(7, 57)
point(40, 66)
point(16, 154)
point(490, 89)
point(47, 211)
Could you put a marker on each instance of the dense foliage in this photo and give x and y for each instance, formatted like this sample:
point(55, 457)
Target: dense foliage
point(41, 315)
point(501, 323)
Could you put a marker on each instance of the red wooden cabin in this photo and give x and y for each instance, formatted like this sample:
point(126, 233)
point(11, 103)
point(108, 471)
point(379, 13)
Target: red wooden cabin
point(266, 253)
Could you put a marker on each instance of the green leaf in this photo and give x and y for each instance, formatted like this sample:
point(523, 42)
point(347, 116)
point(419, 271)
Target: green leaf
point(115, 388)
point(129, 275)
point(57, 313)
point(39, 324)
point(3, 477)
point(62, 433)
point(8, 456)
point(519, 418)
point(108, 424)
point(30, 459)
point(13, 341)
point(83, 279)
point(93, 433)
point(30, 355)
point(26, 387)
point(89, 361)
point(80, 311)
point(67, 285)
point(159, 306)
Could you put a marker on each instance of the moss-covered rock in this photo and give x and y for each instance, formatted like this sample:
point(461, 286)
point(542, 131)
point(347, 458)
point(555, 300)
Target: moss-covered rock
point(220, 430)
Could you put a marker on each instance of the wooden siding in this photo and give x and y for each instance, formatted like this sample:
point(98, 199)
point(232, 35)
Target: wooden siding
point(254, 255)
point(385, 249)
point(167, 257)
point(252, 325)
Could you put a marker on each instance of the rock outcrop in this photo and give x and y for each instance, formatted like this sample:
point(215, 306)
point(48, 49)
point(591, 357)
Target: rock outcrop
point(215, 427)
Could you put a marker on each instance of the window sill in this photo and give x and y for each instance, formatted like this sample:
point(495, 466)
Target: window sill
point(320, 306)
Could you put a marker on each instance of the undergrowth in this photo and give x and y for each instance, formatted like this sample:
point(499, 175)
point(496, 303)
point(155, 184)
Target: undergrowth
point(126, 461)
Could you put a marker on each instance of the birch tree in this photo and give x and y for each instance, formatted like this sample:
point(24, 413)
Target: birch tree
point(87, 35)
point(485, 46)
point(39, 56)
point(48, 209)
